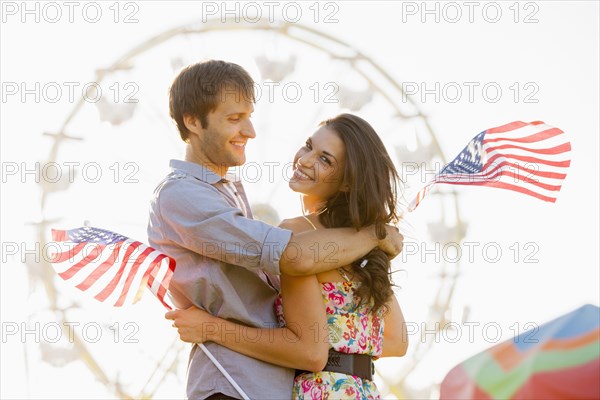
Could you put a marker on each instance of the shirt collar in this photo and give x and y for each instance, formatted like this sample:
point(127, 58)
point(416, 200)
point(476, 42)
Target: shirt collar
point(201, 172)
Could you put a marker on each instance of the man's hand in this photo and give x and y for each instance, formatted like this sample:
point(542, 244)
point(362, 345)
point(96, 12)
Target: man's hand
point(193, 324)
point(393, 242)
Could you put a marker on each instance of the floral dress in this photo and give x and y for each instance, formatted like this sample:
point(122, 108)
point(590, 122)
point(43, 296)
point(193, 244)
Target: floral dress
point(353, 329)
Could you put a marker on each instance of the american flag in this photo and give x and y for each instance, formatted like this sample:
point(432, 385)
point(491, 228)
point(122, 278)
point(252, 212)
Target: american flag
point(530, 158)
point(109, 266)
point(115, 268)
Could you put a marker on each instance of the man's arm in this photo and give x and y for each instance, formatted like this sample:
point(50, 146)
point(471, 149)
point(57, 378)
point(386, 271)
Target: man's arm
point(313, 252)
point(197, 217)
point(301, 344)
point(194, 215)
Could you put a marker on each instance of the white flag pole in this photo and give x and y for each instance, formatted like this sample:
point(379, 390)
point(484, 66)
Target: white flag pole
point(169, 302)
point(224, 372)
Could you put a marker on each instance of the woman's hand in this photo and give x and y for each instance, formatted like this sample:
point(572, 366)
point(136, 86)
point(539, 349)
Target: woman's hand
point(393, 242)
point(193, 324)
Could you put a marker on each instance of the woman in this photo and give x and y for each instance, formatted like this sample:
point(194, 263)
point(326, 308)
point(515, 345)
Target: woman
point(346, 179)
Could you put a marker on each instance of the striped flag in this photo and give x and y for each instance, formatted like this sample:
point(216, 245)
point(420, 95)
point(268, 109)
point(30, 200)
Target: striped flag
point(111, 267)
point(530, 158)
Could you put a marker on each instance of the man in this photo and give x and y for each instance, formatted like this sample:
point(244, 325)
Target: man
point(227, 263)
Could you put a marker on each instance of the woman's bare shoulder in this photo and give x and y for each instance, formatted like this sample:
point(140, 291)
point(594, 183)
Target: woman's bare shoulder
point(296, 224)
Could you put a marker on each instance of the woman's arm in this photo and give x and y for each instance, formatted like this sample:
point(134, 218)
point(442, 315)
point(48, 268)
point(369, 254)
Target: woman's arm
point(301, 344)
point(395, 337)
point(314, 252)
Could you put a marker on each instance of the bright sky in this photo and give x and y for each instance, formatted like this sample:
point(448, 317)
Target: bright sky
point(544, 53)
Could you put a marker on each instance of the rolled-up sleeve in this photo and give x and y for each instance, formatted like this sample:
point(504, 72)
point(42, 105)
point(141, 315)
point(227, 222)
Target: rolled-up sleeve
point(197, 217)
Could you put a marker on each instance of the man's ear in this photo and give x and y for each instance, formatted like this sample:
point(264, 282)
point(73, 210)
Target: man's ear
point(192, 123)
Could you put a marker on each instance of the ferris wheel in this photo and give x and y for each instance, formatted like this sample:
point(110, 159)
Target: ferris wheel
point(119, 139)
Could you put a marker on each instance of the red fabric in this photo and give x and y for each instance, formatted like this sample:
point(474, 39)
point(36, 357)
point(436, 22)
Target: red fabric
point(458, 385)
point(581, 382)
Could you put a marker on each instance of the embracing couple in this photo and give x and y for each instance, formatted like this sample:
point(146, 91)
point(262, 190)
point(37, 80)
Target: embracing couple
point(283, 314)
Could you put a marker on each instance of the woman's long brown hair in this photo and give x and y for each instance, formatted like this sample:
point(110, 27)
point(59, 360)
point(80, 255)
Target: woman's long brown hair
point(370, 200)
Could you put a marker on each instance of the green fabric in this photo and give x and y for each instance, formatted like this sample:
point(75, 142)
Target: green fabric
point(500, 384)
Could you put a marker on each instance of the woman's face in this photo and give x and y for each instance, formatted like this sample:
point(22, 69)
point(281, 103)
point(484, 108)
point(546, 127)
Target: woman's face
point(319, 165)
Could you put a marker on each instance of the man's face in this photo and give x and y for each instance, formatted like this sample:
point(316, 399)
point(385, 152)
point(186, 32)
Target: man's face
point(223, 143)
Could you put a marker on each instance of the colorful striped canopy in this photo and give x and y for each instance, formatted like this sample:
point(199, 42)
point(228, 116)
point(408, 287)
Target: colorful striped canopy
point(559, 360)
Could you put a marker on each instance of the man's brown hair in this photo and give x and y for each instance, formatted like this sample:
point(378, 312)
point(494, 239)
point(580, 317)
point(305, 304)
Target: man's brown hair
point(199, 88)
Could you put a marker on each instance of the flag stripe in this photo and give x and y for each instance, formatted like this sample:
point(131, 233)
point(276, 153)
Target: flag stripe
point(68, 254)
point(503, 185)
point(140, 280)
point(59, 235)
point(530, 160)
point(132, 274)
point(162, 272)
point(101, 269)
point(91, 256)
point(480, 180)
point(518, 167)
point(152, 276)
point(511, 126)
point(497, 176)
point(170, 269)
point(108, 289)
point(546, 144)
point(563, 148)
point(503, 173)
point(536, 137)
point(508, 127)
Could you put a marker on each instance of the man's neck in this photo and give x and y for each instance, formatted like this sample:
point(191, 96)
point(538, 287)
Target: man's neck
point(217, 169)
